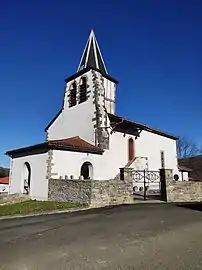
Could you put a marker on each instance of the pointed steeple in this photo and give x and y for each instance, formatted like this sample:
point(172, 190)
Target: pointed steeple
point(92, 56)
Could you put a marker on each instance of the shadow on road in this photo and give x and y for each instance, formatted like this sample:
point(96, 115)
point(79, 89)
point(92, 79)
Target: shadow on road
point(192, 206)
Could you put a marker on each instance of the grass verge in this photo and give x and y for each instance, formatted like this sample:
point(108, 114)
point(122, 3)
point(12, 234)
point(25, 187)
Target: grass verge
point(32, 206)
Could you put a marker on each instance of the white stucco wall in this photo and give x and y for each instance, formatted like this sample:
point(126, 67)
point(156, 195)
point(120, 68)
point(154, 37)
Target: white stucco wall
point(110, 95)
point(38, 182)
point(184, 176)
point(69, 163)
point(151, 145)
point(148, 145)
point(4, 188)
point(76, 120)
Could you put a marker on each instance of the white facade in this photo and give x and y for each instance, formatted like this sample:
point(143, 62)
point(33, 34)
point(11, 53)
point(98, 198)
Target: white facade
point(67, 164)
point(107, 166)
point(110, 96)
point(38, 182)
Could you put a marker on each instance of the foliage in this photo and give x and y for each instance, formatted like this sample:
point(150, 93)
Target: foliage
point(4, 172)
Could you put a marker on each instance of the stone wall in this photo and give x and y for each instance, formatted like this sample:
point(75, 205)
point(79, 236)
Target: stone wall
point(76, 191)
point(184, 191)
point(111, 192)
point(96, 193)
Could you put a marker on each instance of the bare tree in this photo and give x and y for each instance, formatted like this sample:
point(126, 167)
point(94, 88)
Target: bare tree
point(186, 148)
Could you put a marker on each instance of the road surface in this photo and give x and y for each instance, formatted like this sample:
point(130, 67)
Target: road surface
point(146, 236)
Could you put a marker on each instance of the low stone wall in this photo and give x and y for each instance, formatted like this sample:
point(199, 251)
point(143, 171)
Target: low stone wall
point(184, 191)
point(13, 198)
point(76, 191)
point(111, 192)
point(96, 193)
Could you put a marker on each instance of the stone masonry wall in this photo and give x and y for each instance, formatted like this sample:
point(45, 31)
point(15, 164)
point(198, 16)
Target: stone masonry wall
point(76, 191)
point(111, 192)
point(184, 191)
point(96, 193)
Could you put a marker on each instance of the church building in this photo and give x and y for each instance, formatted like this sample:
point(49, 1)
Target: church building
point(86, 139)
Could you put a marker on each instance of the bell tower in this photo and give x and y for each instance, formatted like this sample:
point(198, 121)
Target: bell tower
point(89, 96)
point(92, 57)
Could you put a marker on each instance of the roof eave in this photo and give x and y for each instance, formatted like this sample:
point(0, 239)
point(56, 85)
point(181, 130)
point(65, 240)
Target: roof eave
point(144, 127)
point(76, 149)
point(184, 169)
point(2, 183)
point(26, 149)
point(81, 72)
point(47, 146)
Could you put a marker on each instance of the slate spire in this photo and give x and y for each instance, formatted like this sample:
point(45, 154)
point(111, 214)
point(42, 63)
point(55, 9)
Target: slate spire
point(92, 56)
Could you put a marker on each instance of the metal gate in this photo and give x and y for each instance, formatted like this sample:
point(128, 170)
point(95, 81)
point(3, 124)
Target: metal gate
point(146, 184)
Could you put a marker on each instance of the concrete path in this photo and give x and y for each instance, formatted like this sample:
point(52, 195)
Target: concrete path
point(145, 236)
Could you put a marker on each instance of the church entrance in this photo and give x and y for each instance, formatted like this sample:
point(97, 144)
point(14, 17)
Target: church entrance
point(26, 178)
point(87, 170)
point(149, 185)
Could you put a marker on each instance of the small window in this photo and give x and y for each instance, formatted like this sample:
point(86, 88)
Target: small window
point(162, 160)
point(72, 95)
point(83, 90)
point(130, 149)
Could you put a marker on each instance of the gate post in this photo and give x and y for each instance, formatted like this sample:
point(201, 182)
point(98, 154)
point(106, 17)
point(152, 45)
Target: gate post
point(145, 194)
point(165, 176)
point(126, 174)
point(122, 174)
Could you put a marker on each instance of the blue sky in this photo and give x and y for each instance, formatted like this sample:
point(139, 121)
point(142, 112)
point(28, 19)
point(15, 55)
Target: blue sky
point(154, 49)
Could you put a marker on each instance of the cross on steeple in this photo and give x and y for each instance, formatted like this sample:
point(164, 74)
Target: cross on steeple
point(92, 56)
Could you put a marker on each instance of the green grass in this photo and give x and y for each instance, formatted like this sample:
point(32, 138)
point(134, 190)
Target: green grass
point(29, 207)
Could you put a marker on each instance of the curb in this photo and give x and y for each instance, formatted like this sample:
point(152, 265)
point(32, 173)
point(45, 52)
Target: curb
point(70, 210)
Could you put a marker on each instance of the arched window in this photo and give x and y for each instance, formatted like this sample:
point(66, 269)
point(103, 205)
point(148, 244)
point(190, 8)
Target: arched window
point(83, 90)
point(72, 95)
point(130, 149)
point(87, 170)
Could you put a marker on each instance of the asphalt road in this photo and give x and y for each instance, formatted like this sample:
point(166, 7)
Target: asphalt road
point(146, 236)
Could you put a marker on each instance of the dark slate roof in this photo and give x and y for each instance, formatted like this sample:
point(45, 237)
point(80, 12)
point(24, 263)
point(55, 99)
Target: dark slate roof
point(132, 124)
point(92, 56)
point(195, 164)
point(70, 144)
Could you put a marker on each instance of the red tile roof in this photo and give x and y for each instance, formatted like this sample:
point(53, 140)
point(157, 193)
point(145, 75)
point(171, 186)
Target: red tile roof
point(74, 143)
point(4, 180)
